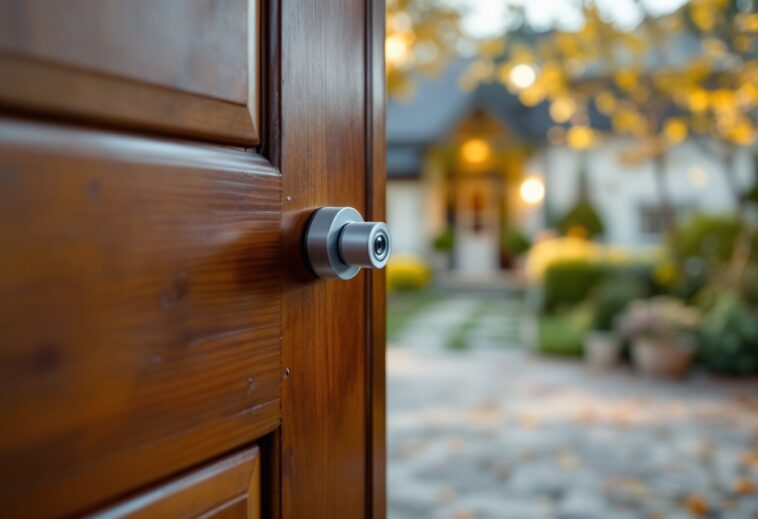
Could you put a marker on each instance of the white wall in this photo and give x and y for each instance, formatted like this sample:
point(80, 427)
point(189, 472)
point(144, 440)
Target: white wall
point(618, 190)
point(406, 216)
point(415, 208)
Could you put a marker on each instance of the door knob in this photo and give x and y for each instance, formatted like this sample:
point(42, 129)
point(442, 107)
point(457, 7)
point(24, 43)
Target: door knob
point(339, 243)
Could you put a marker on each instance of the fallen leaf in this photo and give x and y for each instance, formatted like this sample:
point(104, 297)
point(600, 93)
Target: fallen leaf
point(457, 445)
point(446, 494)
point(696, 505)
point(744, 486)
point(750, 458)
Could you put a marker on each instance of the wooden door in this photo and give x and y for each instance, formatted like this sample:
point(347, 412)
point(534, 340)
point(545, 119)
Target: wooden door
point(165, 350)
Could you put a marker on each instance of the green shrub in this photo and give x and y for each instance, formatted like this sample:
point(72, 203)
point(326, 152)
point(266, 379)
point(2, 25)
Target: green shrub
point(611, 298)
point(704, 245)
point(729, 336)
point(583, 215)
point(709, 239)
point(563, 334)
point(515, 242)
point(444, 241)
point(751, 195)
point(570, 282)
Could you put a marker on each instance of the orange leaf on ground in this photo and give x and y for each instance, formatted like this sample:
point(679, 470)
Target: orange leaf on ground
point(696, 505)
point(750, 458)
point(744, 486)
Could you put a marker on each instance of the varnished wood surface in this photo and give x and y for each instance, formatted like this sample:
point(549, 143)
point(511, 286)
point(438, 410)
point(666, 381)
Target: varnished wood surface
point(140, 301)
point(227, 489)
point(324, 399)
point(189, 68)
point(376, 181)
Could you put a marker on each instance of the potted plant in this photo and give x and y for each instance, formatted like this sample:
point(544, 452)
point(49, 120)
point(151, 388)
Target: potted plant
point(602, 346)
point(442, 246)
point(662, 331)
point(513, 246)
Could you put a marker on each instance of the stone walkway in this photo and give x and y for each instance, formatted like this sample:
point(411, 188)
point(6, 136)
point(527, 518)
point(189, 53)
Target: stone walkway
point(479, 428)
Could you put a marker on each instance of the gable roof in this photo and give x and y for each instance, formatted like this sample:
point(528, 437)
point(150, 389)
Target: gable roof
point(438, 105)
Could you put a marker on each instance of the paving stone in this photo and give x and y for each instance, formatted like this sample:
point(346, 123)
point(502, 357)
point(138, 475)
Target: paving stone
point(581, 504)
point(495, 431)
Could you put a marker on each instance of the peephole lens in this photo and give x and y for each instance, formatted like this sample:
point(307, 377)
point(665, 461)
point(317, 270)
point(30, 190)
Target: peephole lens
point(380, 245)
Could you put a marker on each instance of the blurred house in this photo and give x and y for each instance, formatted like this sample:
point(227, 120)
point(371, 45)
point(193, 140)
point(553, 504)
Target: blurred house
point(478, 163)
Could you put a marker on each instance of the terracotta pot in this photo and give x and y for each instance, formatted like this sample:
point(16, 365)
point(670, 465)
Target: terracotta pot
point(602, 350)
point(661, 358)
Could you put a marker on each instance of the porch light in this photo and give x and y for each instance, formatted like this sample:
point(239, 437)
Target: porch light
point(475, 151)
point(522, 76)
point(532, 190)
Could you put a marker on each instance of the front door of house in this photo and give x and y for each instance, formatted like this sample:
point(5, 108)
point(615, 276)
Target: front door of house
point(477, 229)
point(165, 350)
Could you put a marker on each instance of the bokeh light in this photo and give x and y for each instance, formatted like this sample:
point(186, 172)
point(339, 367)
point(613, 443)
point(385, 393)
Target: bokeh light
point(532, 190)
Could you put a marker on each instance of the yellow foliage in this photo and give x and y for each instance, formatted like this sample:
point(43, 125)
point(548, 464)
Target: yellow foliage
point(570, 248)
point(407, 272)
point(629, 120)
point(605, 102)
point(697, 100)
point(675, 130)
point(626, 79)
point(714, 47)
point(641, 94)
point(532, 96)
point(479, 71)
point(703, 16)
point(741, 133)
point(562, 108)
point(723, 100)
point(552, 250)
point(580, 137)
point(666, 273)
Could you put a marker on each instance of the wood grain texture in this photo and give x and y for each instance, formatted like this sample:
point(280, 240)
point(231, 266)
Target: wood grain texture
point(189, 68)
point(322, 149)
point(140, 303)
point(376, 181)
point(227, 489)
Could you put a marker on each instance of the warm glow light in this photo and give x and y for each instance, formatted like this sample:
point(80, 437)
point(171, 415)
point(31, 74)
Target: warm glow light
point(397, 50)
point(698, 177)
point(475, 151)
point(562, 109)
point(532, 190)
point(522, 76)
point(580, 137)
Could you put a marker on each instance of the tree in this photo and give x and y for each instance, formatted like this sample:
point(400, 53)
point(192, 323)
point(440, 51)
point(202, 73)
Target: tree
point(692, 71)
point(422, 36)
point(654, 82)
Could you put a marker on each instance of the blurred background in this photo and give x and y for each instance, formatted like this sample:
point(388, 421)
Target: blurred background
point(573, 309)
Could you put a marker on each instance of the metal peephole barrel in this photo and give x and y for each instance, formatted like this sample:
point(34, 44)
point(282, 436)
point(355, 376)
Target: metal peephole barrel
point(339, 243)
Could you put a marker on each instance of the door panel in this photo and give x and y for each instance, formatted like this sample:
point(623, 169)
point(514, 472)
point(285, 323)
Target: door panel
point(139, 311)
point(156, 307)
point(325, 160)
point(228, 489)
point(177, 66)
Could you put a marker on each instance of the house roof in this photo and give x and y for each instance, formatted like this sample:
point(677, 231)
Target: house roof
point(438, 105)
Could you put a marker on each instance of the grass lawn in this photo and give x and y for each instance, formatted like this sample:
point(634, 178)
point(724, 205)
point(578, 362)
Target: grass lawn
point(562, 334)
point(403, 307)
